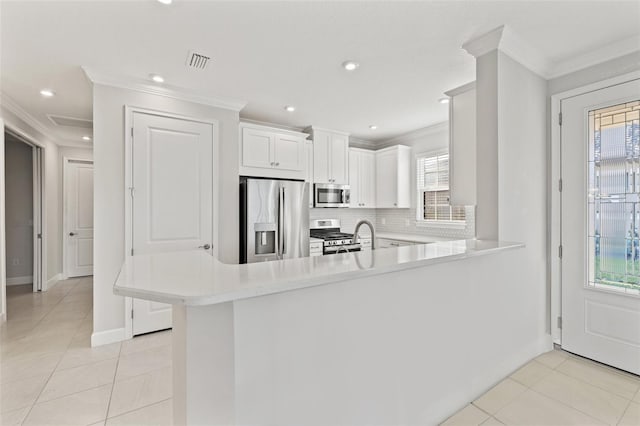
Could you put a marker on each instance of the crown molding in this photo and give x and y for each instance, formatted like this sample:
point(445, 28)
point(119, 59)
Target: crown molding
point(414, 134)
point(596, 56)
point(506, 40)
point(461, 89)
point(179, 93)
point(12, 106)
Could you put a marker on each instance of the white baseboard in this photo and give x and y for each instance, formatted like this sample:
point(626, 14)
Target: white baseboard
point(27, 279)
point(53, 280)
point(107, 336)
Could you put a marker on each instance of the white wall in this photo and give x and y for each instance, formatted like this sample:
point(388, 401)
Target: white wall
point(19, 211)
point(109, 191)
point(522, 171)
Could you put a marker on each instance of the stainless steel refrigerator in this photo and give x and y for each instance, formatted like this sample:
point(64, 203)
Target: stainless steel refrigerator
point(274, 219)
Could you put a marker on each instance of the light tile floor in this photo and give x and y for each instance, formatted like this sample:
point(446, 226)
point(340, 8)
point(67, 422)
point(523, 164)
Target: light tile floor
point(49, 375)
point(557, 389)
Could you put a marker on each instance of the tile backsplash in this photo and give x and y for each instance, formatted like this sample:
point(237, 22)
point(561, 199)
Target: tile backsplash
point(404, 221)
point(396, 221)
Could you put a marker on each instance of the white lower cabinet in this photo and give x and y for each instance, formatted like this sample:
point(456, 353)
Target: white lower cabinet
point(315, 248)
point(272, 152)
point(389, 243)
point(365, 242)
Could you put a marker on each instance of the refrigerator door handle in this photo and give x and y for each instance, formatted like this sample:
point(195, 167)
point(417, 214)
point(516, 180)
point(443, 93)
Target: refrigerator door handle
point(281, 224)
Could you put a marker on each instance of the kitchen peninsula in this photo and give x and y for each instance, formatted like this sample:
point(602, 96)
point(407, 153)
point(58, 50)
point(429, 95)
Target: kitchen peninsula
point(402, 335)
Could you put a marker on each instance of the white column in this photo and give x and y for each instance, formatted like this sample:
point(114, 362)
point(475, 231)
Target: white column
point(203, 365)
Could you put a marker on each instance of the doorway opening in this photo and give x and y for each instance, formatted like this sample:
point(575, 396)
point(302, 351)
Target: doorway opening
point(23, 214)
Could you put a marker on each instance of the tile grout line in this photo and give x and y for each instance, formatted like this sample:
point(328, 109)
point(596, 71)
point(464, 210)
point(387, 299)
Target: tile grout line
point(592, 384)
point(113, 385)
point(623, 412)
point(567, 405)
point(139, 408)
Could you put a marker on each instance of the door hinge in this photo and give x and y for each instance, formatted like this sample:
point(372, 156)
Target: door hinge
point(560, 252)
point(132, 132)
point(560, 118)
point(560, 185)
point(132, 191)
point(132, 314)
point(39, 236)
point(131, 252)
point(560, 323)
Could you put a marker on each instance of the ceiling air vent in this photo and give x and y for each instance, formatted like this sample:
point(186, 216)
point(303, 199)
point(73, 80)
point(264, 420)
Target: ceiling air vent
point(60, 120)
point(197, 60)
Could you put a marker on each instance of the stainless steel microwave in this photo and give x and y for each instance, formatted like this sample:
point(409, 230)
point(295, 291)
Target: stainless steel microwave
point(331, 195)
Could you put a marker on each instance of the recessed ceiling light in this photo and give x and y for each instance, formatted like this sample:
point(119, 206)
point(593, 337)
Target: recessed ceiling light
point(373, 127)
point(165, 1)
point(86, 138)
point(443, 100)
point(290, 108)
point(157, 78)
point(47, 93)
point(350, 65)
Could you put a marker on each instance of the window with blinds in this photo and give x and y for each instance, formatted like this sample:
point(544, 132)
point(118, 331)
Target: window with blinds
point(433, 190)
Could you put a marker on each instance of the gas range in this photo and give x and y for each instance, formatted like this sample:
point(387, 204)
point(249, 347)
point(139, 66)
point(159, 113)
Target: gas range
point(334, 241)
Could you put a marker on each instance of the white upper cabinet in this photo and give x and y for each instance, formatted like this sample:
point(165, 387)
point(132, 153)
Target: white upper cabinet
point(309, 170)
point(272, 152)
point(462, 145)
point(330, 156)
point(362, 178)
point(393, 177)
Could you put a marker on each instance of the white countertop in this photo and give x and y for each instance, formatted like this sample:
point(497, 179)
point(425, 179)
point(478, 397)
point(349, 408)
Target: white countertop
point(196, 278)
point(414, 238)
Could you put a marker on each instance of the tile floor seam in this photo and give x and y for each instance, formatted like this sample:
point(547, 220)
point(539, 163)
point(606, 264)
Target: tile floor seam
point(113, 384)
point(595, 385)
point(623, 412)
point(567, 405)
point(480, 408)
point(136, 409)
point(602, 366)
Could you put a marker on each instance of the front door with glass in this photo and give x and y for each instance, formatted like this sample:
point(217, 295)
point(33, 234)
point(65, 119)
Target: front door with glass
point(600, 163)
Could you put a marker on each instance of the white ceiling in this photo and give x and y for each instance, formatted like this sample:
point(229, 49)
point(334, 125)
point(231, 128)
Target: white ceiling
point(272, 54)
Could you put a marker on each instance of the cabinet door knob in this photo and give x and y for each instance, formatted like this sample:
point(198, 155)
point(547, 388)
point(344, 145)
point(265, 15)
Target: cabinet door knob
point(277, 164)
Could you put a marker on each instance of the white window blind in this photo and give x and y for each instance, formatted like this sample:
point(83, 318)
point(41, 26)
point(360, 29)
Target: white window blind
point(433, 190)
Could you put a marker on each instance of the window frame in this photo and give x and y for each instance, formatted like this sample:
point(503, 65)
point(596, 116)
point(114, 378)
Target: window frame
point(420, 220)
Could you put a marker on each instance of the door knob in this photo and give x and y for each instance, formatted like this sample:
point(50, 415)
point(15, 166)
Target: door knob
point(71, 234)
point(206, 246)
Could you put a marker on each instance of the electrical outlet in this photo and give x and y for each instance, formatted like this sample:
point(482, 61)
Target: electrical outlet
point(15, 262)
point(383, 221)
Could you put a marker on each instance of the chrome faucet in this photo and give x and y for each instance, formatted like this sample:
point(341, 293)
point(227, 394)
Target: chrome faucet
point(373, 232)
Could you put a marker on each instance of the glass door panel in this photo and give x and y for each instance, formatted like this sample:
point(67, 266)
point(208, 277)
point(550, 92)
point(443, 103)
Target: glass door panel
point(613, 197)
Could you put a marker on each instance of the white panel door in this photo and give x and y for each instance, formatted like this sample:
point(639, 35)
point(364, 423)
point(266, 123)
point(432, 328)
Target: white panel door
point(172, 202)
point(386, 179)
point(257, 148)
point(321, 142)
point(367, 179)
point(354, 178)
point(339, 159)
point(600, 267)
point(79, 218)
point(288, 152)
